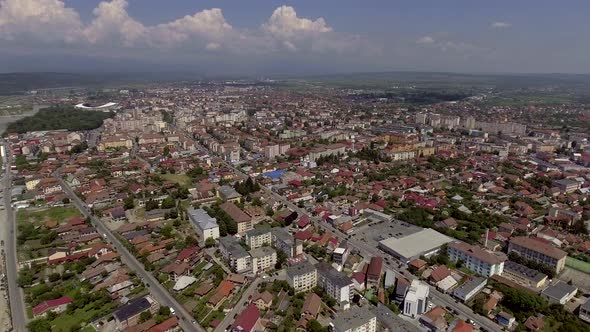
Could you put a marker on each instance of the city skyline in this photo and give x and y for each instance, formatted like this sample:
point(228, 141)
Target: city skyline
point(304, 37)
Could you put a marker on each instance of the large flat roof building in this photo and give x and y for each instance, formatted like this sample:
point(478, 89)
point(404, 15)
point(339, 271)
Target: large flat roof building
point(538, 251)
point(425, 242)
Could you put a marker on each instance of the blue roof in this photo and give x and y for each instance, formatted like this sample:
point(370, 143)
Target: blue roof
point(274, 174)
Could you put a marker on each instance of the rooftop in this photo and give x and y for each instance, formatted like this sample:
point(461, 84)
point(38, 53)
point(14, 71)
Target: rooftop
point(539, 246)
point(353, 318)
point(416, 244)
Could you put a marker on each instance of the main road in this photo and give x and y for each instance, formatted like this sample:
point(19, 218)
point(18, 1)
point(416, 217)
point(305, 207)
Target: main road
point(186, 322)
point(366, 251)
point(15, 293)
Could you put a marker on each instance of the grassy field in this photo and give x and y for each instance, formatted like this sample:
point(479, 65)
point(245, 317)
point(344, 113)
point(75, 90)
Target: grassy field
point(59, 214)
point(182, 179)
point(577, 264)
point(64, 322)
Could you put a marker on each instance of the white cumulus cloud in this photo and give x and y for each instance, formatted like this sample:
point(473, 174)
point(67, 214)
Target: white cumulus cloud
point(284, 23)
point(425, 40)
point(500, 25)
point(39, 21)
point(112, 23)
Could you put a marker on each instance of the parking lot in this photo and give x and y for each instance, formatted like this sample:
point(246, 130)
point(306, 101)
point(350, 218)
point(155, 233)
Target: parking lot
point(374, 232)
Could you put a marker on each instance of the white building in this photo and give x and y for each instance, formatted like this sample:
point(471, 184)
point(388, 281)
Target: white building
point(258, 237)
point(263, 259)
point(302, 277)
point(416, 301)
point(476, 259)
point(336, 284)
point(205, 225)
point(355, 320)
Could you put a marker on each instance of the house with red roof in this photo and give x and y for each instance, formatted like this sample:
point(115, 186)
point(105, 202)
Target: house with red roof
point(247, 319)
point(56, 305)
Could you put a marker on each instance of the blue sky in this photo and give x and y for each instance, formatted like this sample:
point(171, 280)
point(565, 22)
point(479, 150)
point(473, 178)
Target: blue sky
point(257, 37)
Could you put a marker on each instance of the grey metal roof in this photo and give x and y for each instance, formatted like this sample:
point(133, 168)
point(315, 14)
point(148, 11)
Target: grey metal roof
point(262, 252)
point(336, 278)
point(523, 271)
point(469, 286)
point(201, 219)
point(559, 290)
point(300, 269)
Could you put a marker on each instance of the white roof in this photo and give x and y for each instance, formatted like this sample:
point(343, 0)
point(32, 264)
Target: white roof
point(417, 243)
point(183, 282)
point(447, 283)
point(107, 105)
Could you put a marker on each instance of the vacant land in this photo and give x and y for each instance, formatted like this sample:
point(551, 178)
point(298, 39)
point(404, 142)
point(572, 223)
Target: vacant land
point(182, 179)
point(59, 214)
point(59, 117)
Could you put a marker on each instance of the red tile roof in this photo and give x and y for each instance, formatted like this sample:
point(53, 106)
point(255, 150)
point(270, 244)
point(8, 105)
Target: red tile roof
point(247, 319)
point(50, 304)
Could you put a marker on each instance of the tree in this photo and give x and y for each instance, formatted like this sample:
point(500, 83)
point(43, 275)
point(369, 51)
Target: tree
point(65, 200)
point(144, 316)
point(151, 205)
point(315, 326)
point(128, 203)
point(168, 203)
point(25, 277)
point(281, 259)
point(210, 242)
point(39, 325)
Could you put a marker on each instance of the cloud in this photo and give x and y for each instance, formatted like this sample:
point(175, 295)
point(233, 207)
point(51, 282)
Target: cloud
point(113, 31)
point(112, 24)
point(500, 25)
point(425, 40)
point(45, 21)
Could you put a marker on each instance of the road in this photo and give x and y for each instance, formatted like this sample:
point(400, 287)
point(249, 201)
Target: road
point(436, 296)
point(156, 289)
point(241, 305)
point(15, 293)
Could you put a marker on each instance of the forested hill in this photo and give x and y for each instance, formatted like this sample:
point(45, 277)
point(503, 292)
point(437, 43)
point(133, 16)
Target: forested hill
point(59, 117)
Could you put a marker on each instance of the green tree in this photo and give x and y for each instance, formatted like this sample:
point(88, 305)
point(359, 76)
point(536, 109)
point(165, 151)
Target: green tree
point(128, 203)
point(144, 316)
point(168, 203)
point(210, 242)
point(39, 325)
point(151, 205)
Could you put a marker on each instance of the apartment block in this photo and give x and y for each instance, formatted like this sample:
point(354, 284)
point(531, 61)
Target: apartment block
point(475, 259)
point(539, 252)
point(416, 300)
point(336, 284)
point(263, 259)
point(302, 277)
point(258, 237)
point(359, 319)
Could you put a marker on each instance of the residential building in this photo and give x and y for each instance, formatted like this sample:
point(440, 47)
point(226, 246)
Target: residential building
point(263, 259)
point(560, 293)
point(285, 242)
point(470, 288)
point(258, 237)
point(302, 277)
point(355, 320)
point(523, 275)
point(584, 313)
point(567, 186)
point(416, 300)
point(56, 306)
point(128, 315)
point(205, 225)
point(475, 259)
point(341, 253)
point(336, 284)
point(248, 320)
point(505, 319)
point(538, 251)
point(243, 220)
point(374, 271)
point(237, 257)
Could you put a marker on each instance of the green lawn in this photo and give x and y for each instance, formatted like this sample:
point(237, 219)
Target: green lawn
point(59, 214)
point(182, 179)
point(577, 264)
point(63, 322)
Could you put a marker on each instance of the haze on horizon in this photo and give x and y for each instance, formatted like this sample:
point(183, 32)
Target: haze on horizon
point(295, 37)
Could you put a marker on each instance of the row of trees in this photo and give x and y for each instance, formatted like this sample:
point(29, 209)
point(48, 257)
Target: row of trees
point(226, 224)
point(247, 186)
